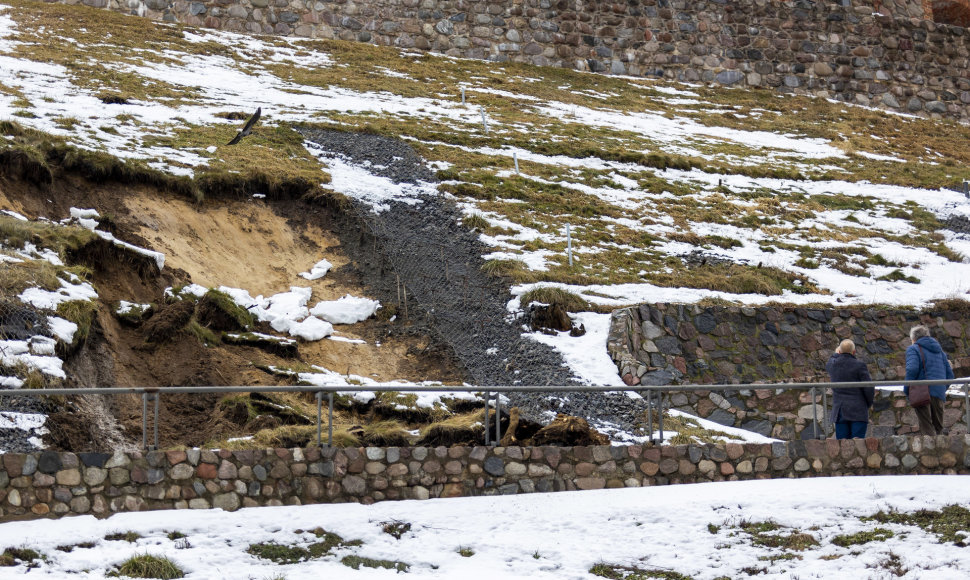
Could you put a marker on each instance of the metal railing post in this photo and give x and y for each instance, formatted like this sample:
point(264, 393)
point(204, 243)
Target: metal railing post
point(488, 440)
point(156, 396)
point(319, 415)
point(825, 413)
point(498, 418)
point(650, 415)
point(966, 405)
point(660, 415)
point(814, 414)
point(330, 419)
point(144, 421)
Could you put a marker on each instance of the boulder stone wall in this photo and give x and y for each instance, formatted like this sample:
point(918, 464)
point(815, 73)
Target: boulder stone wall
point(884, 53)
point(664, 344)
point(53, 484)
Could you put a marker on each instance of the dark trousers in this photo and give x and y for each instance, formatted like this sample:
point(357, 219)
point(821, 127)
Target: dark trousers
point(851, 429)
point(930, 417)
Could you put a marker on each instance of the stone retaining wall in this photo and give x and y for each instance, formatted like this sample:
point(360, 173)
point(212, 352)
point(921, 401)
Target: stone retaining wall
point(891, 58)
point(51, 484)
point(661, 344)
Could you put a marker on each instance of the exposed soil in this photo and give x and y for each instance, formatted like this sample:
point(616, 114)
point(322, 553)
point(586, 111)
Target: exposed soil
point(444, 319)
point(250, 244)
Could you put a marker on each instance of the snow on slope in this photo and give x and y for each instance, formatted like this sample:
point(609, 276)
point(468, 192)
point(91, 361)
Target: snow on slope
point(41, 95)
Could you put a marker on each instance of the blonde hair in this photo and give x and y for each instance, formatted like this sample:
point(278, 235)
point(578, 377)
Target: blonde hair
point(847, 346)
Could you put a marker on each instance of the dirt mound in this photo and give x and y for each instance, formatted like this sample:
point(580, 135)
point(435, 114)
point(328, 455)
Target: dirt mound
point(551, 318)
point(569, 431)
point(168, 321)
point(215, 314)
point(25, 164)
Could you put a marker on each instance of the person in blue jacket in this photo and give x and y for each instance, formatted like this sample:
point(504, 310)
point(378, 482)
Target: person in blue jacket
point(850, 405)
point(925, 359)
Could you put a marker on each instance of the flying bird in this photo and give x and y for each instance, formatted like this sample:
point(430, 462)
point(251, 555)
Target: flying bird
point(247, 128)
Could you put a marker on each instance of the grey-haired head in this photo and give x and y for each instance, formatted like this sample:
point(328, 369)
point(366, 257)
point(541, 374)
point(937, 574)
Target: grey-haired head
point(918, 332)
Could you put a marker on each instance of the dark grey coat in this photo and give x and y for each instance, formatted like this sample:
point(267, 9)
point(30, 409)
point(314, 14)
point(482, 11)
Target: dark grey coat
point(849, 404)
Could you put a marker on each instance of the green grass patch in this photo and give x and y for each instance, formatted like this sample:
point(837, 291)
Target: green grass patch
point(16, 556)
point(15, 233)
point(552, 295)
point(148, 566)
point(396, 528)
point(787, 556)
point(951, 524)
point(617, 572)
point(736, 279)
point(80, 312)
point(130, 537)
point(475, 222)
point(515, 269)
point(279, 553)
point(329, 541)
point(355, 562)
point(875, 535)
point(898, 275)
point(771, 535)
point(224, 303)
point(205, 335)
point(71, 547)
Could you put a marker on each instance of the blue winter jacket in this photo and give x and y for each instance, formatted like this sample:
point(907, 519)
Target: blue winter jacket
point(936, 363)
point(849, 404)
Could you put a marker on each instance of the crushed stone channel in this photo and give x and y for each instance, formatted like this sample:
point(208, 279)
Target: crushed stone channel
point(421, 252)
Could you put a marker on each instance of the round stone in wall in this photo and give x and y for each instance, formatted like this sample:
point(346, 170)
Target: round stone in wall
point(494, 466)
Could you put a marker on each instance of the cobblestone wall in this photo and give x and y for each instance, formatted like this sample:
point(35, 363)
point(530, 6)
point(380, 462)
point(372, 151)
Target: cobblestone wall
point(890, 57)
point(661, 344)
point(53, 484)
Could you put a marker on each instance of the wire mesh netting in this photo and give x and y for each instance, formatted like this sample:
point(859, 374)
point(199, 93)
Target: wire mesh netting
point(19, 321)
point(433, 267)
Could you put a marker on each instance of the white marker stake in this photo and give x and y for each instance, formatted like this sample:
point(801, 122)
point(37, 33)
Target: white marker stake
point(515, 158)
point(484, 121)
point(569, 245)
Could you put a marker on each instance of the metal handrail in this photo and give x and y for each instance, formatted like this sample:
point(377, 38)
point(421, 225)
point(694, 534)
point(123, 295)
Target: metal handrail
point(154, 394)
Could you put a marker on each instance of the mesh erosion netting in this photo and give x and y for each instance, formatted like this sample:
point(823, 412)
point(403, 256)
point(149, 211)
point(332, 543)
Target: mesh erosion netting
point(19, 321)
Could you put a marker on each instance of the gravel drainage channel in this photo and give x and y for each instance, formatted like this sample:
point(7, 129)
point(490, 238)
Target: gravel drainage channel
point(417, 254)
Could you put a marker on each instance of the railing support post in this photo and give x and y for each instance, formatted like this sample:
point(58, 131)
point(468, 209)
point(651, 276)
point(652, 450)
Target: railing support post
point(650, 415)
point(156, 396)
point(319, 416)
point(488, 434)
point(330, 419)
point(498, 418)
point(814, 413)
point(966, 405)
point(144, 421)
point(825, 413)
point(660, 415)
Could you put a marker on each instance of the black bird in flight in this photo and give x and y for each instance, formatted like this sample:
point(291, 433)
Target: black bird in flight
point(247, 128)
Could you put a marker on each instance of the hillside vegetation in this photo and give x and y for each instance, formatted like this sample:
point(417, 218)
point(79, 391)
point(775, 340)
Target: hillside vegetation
point(823, 196)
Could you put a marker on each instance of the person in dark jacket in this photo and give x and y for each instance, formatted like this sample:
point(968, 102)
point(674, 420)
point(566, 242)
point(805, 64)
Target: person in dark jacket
point(850, 406)
point(925, 359)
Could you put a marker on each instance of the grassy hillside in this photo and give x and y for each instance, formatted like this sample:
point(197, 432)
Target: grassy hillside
point(673, 186)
